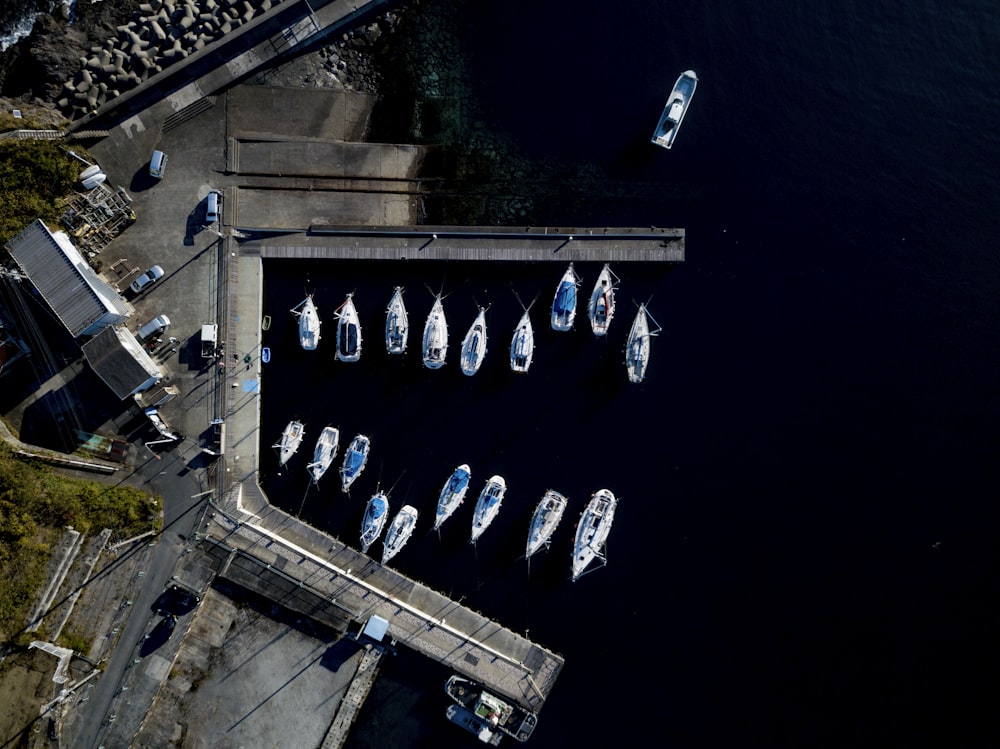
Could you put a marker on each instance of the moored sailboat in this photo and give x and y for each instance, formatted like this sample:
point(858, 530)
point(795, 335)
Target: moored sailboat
point(452, 494)
point(355, 459)
point(397, 323)
point(348, 331)
point(474, 345)
point(638, 345)
point(522, 345)
point(373, 521)
point(602, 301)
point(564, 302)
point(546, 517)
point(400, 530)
point(290, 440)
point(309, 324)
point(324, 453)
point(592, 531)
point(435, 348)
point(488, 505)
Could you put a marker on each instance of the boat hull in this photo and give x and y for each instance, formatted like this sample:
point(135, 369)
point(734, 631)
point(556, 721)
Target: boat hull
point(374, 520)
point(474, 345)
point(309, 325)
point(397, 324)
point(290, 440)
point(399, 532)
point(522, 345)
point(355, 460)
point(638, 346)
point(601, 308)
point(452, 494)
point(675, 109)
point(564, 302)
point(497, 713)
point(348, 332)
point(592, 530)
point(544, 521)
point(435, 349)
point(324, 452)
point(488, 505)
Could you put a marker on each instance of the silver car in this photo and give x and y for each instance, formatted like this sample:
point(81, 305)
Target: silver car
point(151, 276)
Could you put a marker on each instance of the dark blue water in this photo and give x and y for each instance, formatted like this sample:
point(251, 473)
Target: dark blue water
point(805, 549)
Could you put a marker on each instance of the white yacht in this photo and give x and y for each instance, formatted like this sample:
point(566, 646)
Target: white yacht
point(522, 345)
point(348, 331)
point(400, 530)
point(548, 513)
point(374, 520)
point(676, 107)
point(488, 505)
point(638, 345)
point(435, 336)
point(290, 440)
point(592, 531)
point(308, 323)
point(602, 301)
point(355, 460)
point(397, 324)
point(452, 494)
point(564, 302)
point(325, 452)
point(474, 345)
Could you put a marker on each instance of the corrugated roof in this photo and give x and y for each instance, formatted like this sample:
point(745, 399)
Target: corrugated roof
point(77, 295)
point(117, 358)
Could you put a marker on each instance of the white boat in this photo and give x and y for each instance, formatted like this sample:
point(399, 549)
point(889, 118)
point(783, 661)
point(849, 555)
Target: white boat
point(522, 345)
point(602, 301)
point(676, 107)
point(290, 440)
point(462, 716)
point(592, 530)
point(452, 494)
point(348, 331)
point(564, 302)
point(308, 323)
point(400, 530)
point(488, 505)
point(548, 513)
point(376, 512)
point(355, 459)
point(325, 452)
point(637, 347)
point(435, 336)
point(397, 324)
point(474, 345)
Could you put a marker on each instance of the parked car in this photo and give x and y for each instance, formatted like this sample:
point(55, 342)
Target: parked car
point(152, 275)
point(213, 207)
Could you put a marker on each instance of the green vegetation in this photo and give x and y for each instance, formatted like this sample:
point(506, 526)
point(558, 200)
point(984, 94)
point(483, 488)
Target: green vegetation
point(34, 177)
point(36, 504)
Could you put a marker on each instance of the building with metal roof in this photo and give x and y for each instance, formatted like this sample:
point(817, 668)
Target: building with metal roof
point(117, 357)
point(83, 302)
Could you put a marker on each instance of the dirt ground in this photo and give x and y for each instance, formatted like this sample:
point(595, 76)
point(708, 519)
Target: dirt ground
point(25, 685)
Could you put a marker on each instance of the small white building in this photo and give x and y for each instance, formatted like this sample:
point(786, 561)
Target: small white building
point(121, 362)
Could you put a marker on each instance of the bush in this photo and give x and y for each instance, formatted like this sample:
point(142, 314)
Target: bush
point(34, 177)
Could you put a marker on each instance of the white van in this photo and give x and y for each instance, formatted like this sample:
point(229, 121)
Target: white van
point(158, 164)
point(157, 326)
point(212, 206)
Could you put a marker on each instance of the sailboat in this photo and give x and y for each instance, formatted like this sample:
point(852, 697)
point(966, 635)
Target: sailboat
point(452, 494)
point(290, 440)
point(564, 302)
point(355, 460)
point(546, 517)
point(637, 347)
point(400, 530)
point(324, 453)
point(522, 345)
point(592, 530)
point(308, 323)
point(602, 301)
point(348, 331)
point(488, 505)
point(397, 323)
point(435, 336)
point(374, 520)
point(474, 345)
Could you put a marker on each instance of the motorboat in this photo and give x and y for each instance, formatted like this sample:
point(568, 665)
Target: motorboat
point(592, 531)
point(376, 512)
point(675, 109)
point(522, 345)
point(309, 323)
point(397, 324)
point(564, 302)
point(474, 345)
point(462, 716)
point(348, 331)
point(290, 440)
point(452, 494)
point(488, 505)
point(355, 459)
point(435, 336)
point(602, 301)
point(497, 713)
point(638, 345)
point(400, 530)
point(546, 517)
point(325, 452)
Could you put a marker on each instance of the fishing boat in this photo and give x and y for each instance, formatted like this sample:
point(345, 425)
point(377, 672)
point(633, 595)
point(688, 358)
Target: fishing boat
point(472, 723)
point(348, 331)
point(290, 440)
point(452, 494)
point(374, 520)
point(638, 345)
point(496, 712)
point(522, 345)
point(592, 530)
point(676, 107)
point(474, 345)
point(397, 324)
point(564, 302)
point(308, 323)
point(488, 505)
point(325, 452)
point(602, 301)
point(435, 336)
point(355, 459)
point(400, 530)
point(548, 513)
